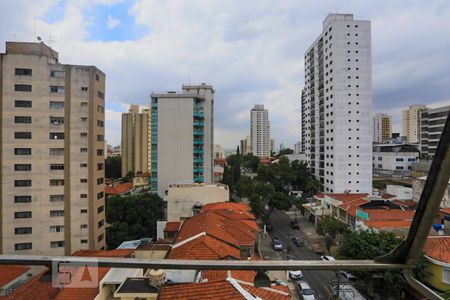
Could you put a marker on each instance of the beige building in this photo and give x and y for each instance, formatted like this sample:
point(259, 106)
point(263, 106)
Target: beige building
point(183, 199)
point(135, 140)
point(246, 145)
point(382, 128)
point(260, 131)
point(182, 131)
point(218, 151)
point(52, 153)
point(411, 123)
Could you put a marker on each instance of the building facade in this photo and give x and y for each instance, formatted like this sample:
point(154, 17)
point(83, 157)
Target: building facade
point(337, 105)
point(382, 128)
point(432, 124)
point(182, 143)
point(52, 153)
point(411, 123)
point(135, 140)
point(260, 131)
point(245, 145)
point(394, 159)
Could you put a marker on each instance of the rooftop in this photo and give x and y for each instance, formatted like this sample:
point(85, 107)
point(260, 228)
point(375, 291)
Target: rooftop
point(34, 289)
point(9, 273)
point(172, 226)
point(438, 248)
point(119, 189)
point(137, 285)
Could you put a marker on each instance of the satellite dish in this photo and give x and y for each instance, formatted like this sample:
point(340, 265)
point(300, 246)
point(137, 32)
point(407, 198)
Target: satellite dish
point(39, 38)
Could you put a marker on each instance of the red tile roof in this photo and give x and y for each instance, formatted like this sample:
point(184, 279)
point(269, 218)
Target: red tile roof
point(387, 196)
point(273, 293)
point(34, 289)
point(321, 195)
point(217, 290)
point(204, 247)
point(445, 210)
point(172, 226)
point(400, 224)
point(119, 189)
point(389, 214)
point(347, 197)
point(438, 248)
point(105, 253)
point(234, 206)
point(9, 273)
point(405, 203)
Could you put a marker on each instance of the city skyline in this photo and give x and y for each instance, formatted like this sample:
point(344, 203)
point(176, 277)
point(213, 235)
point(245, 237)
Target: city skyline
point(260, 60)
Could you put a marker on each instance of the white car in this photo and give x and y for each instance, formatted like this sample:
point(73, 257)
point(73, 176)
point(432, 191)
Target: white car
point(295, 274)
point(327, 258)
point(305, 291)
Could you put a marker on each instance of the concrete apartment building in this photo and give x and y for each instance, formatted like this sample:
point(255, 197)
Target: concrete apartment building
point(245, 145)
point(182, 143)
point(260, 131)
point(394, 159)
point(382, 128)
point(337, 105)
point(135, 140)
point(411, 123)
point(432, 122)
point(52, 153)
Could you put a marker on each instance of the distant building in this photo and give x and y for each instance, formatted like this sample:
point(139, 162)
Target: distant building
point(411, 123)
point(182, 134)
point(245, 145)
point(418, 185)
point(432, 125)
point(393, 159)
point(218, 151)
point(273, 146)
point(52, 153)
point(337, 105)
point(135, 141)
point(382, 128)
point(260, 131)
point(298, 148)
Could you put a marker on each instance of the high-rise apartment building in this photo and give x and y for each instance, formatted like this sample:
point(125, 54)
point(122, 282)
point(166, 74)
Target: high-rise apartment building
point(411, 123)
point(245, 145)
point(260, 131)
point(135, 141)
point(382, 128)
point(182, 130)
point(432, 125)
point(337, 105)
point(52, 153)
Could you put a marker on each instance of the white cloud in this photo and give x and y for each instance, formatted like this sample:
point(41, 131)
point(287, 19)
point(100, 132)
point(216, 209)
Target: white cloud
point(112, 23)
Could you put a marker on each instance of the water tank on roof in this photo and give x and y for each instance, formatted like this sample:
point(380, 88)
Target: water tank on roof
point(156, 277)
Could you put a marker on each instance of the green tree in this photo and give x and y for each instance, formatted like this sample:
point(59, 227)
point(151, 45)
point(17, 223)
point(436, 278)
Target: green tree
point(302, 174)
point(251, 162)
point(285, 151)
point(113, 167)
point(280, 201)
point(244, 186)
point(329, 227)
point(256, 205)
point(132, 217)
point(313, 185)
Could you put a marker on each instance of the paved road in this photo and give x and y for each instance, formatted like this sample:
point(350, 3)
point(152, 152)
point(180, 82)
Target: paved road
point(318, 280)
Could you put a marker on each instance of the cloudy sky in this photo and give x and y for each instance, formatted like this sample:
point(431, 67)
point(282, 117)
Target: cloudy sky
point(250, 51)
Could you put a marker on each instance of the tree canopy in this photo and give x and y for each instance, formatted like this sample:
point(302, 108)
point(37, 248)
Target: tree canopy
point(329, 227)
point(113, 167)
point(132, 217)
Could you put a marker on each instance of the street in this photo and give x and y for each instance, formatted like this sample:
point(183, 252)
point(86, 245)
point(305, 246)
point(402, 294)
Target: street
point(318, 280)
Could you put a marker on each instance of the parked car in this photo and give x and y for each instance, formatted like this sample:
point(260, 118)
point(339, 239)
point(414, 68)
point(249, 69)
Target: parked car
point(277, 244)
point(305, 291)
point(295, 274)
point(347, 275)
point(327, 258)
point(294, 224)
point(298, 241)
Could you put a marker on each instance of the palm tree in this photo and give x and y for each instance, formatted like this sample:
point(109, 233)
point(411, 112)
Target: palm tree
point(313, 185)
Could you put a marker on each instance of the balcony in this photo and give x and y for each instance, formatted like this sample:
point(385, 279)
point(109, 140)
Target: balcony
point(198, 151)
point(198, 132)
point(199, 142)
point(198, 179)
point(199, 160)
point(199, 114)
point(198, 170)
point(199, 123)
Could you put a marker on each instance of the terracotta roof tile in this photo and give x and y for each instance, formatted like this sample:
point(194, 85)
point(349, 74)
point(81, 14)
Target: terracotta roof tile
point(217, 290)
point(119, 189)
point(172, 226)
point(85, 293)
point(34, 289)
point(387, 196)
point(445, 210)
point(105, 253)
point(389, 224)
point(438, 248)
point(272, 293)
point(234, 206)
point(9, 273)
point(347, 197)
point(204, 247)
point(406, 203)
point(389, 214)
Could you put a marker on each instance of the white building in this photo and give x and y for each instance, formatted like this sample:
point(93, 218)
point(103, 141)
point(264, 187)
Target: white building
point(218, 151)
point(298, 148)
point(337, 105)
point(411, 123)
point(393, 157)
point(382, 128)
point(260, 131)
point(182, 137)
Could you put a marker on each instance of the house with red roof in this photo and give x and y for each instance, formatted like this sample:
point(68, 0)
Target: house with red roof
point(11, 277)
point(437, 254)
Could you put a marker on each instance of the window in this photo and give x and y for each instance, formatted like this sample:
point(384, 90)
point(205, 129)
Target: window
point(83, 180)
point(399, 167)
point(22, 151)
point(56, 135)
point(22, 199)
point(445, 275)
point(22, 88)
point(22, 167)
point(22, 183)
point(100, 95)
point(411, 159)
point(22, 119)
point(57, 213)
point(380, 158)
point(55, 167)
point(57, 74)
point(83, 241)
point(56, 151)
point(57, 89)
point(56, 120)
point(23, 72)
point(100, 109)
point(83, 196)
point(83, 134)
point(83, 211)
point(83, 165)
point(100, 209)
point(100, 195)
point(56, 104)
point(57, 228)
point(84, 88)
point(84, 104)
point(99, 166)
point(57, 244)
point(100, 123)
point(100, 238)
point(83, 150)
point(97, 77)
point(56, 182)
point(100, 223)
point(100, 180)
point(23, 230)
point(83, 119)
point(22, 103)
point(100, 152)
point(83, 226)
point(56, 198)
point(23, 246)
point(22, 215)
point(22, 135)
point(399, 159)
point(100, 138)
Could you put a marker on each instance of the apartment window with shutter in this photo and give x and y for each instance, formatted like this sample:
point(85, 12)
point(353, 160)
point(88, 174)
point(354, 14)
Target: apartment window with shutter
point(22, 88)
point(22, 167)
point(22, 183)
point(22, 199)
point(22, 151)
point(22, 135)
point(22, 119)
point(22, 103)
point(23, 72)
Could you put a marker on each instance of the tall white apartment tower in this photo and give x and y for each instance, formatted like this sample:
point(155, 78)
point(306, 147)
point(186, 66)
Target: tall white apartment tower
point(260, 131)
point(52, 198)
point(382, 128)
point(182, 131)
point(337, 105)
